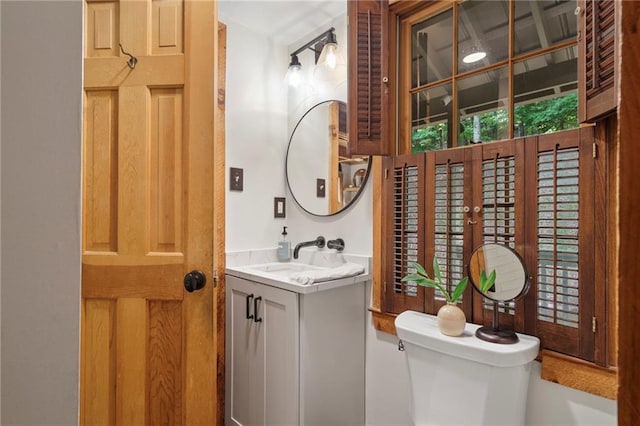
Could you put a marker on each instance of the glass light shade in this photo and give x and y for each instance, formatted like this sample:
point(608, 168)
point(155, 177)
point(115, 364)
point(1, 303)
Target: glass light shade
point(474, 57)
point(331, 65)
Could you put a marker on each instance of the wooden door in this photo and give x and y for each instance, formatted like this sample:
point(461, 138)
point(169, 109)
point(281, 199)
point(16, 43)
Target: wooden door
point(148, 346)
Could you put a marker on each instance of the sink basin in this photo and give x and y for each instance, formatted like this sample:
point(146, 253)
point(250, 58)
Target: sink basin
point(284, 269)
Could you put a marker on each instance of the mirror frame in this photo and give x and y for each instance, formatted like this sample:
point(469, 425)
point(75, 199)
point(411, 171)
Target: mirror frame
point(286, 167)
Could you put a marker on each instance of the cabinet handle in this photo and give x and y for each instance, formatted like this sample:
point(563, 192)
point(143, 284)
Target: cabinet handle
point(255, 309)
point(248, 300)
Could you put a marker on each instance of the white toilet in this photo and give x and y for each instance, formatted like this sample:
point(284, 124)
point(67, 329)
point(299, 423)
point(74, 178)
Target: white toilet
point(464, 380)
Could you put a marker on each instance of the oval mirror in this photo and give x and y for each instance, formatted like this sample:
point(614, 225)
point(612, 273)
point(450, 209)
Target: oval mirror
point(499, 274)
point(511, 279)
point(322, 177)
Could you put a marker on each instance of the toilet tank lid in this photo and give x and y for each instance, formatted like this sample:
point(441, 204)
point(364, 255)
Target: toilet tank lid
point(422, 330)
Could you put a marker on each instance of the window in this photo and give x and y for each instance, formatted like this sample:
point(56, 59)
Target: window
point(485, 70)
point(538, 187)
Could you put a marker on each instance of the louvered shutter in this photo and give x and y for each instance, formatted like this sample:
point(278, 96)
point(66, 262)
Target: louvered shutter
point(564, 242)
point(598, 85)
point(500, 195)
point(448, 235)
point(368, 74)
point(403, 236)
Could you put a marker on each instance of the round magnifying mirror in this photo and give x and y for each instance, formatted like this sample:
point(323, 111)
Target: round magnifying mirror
point(499, 274)
point(322, 177)
point(511, 279)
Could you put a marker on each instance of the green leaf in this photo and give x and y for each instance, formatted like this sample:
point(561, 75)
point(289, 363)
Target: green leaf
point(412, 277)
point(420, 270)
point(436, 269)
point(457, 292)
point(487, 283)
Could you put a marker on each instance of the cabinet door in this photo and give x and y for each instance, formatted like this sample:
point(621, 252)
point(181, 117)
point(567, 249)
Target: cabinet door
point(598, 82)
point(262, 354)
point(241, 353)
point(277, 354)
point(368, 77)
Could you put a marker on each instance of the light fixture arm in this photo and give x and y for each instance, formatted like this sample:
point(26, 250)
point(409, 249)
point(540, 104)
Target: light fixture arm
point(325, 35)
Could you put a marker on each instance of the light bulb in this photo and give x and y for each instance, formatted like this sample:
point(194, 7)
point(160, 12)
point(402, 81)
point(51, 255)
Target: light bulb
point(331, 60)
point(331, 66)
point(293, 76)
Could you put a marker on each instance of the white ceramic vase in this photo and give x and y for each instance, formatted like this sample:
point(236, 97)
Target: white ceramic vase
point(451, 320)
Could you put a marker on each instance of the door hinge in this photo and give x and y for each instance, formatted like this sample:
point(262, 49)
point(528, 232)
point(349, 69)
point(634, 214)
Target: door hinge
point(215, 280)
point(595, 150)
point(386, 173)
point(593, 324)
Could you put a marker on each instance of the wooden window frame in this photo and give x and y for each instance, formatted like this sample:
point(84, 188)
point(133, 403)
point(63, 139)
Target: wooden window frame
point(598, 377)
point(402, 18)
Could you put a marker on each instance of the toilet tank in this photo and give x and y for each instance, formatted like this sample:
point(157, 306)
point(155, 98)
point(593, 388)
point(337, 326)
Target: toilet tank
point(464, 380)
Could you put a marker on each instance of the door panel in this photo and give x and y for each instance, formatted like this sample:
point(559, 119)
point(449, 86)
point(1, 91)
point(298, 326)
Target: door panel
point(148, 347)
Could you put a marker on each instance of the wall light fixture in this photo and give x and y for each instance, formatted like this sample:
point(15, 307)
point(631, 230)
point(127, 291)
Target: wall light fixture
point(327, 57)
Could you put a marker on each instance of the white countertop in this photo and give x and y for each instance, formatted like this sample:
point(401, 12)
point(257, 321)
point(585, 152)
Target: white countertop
point(242, 265)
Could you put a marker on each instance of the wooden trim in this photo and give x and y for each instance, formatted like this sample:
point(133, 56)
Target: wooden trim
point(219, 256)
point(383, 321)
point(582, 51)
point(404, 91)
point(600, 228)
point(612, 276)
point(378, 247)
point(629, 220)
point(578, 374)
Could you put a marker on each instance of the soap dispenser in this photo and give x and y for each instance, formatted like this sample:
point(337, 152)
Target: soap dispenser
point(284, 248)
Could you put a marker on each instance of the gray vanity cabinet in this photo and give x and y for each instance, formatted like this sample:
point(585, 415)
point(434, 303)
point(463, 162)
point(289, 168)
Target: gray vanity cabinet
point(294, 358)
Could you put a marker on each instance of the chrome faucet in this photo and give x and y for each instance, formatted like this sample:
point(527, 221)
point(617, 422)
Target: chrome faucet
point(337, 244)
point(318, 242)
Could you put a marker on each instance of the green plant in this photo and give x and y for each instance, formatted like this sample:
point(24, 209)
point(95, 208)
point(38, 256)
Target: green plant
point(487, 282)
point(422, 278)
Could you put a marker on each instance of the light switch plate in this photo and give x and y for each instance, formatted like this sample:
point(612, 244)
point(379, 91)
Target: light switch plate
point(320, 188)
point(235, 179)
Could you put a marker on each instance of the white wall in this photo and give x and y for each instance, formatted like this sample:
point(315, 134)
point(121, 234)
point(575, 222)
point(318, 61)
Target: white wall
point(41, 145)
point(256, 133)
point(260, 115)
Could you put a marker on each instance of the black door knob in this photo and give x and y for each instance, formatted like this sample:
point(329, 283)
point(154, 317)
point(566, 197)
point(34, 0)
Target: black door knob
point(194, 280)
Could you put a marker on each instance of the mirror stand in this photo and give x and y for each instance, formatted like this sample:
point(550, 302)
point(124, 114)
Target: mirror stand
point(493, 334)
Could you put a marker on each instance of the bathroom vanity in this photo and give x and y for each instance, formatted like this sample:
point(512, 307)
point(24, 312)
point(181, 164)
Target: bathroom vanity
point(294, 353)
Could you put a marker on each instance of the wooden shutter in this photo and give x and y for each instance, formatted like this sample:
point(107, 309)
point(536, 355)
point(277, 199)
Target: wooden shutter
point(448, 236)
point(403, 206)
point(368, 77)
point(563, 254)
point(598, 52)
point(499, 192)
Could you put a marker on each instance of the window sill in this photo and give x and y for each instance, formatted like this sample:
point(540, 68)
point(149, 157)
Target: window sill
point(557, 368)
point(578, 374)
